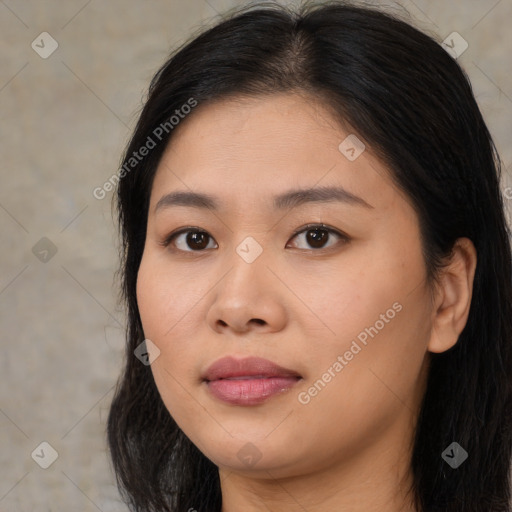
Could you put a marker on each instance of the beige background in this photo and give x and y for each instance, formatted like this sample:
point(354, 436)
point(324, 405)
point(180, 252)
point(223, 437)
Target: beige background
point(64, 123)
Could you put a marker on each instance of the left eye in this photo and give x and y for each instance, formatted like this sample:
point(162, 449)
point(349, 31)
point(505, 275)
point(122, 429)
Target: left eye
point(316, 235)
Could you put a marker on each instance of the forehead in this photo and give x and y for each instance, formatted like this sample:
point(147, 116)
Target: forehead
point(248, 150)
point(258, 125)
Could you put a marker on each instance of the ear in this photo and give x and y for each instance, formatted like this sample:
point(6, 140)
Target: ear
point(453, 297)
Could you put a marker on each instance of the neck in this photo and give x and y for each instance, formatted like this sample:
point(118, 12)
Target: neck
point(376, 479)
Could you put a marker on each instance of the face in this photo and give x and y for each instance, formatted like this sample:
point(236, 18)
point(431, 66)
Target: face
point(329, 288)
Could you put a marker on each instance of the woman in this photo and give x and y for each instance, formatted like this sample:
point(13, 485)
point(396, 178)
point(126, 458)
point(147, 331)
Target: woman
point(317, 273)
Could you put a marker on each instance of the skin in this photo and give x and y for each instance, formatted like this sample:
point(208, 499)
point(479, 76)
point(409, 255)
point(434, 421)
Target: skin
point(298, 305)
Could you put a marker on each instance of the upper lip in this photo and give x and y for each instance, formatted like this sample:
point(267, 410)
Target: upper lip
point(230, 367)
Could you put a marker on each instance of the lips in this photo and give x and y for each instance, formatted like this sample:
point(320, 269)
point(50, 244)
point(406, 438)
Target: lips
point(229, 368)
point(248, 381)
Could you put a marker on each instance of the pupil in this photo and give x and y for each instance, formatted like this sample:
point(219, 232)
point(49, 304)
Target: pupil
point(195, 238)
point(316, 241)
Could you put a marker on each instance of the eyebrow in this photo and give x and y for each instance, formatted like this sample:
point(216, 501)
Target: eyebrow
point(290, 199)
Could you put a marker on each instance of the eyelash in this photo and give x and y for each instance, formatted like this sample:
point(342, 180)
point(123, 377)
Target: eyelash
point(309, 227)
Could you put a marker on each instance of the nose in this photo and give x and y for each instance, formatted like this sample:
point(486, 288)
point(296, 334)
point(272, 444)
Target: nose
point(248, 297)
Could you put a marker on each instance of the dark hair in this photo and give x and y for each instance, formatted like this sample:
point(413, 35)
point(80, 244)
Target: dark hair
point(411, 102)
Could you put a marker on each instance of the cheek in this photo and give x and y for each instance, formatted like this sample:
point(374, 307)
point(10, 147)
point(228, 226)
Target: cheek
point(163, 311)
point(351, 294)
point(151, 300)
point(377, 312)
point(378, 377)
point(166, 298)
point(169, 303)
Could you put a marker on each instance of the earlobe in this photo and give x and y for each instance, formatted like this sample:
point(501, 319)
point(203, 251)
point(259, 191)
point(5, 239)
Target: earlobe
point(453, 297)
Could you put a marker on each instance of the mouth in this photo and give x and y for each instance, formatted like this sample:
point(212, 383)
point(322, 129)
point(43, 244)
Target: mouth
point(249, 381)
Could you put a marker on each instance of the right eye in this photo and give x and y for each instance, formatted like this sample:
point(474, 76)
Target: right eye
point(194, 238)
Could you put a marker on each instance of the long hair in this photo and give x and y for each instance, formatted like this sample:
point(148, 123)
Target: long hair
point(411, 102)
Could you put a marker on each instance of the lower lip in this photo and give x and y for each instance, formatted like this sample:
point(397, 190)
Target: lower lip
point(250, 391)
